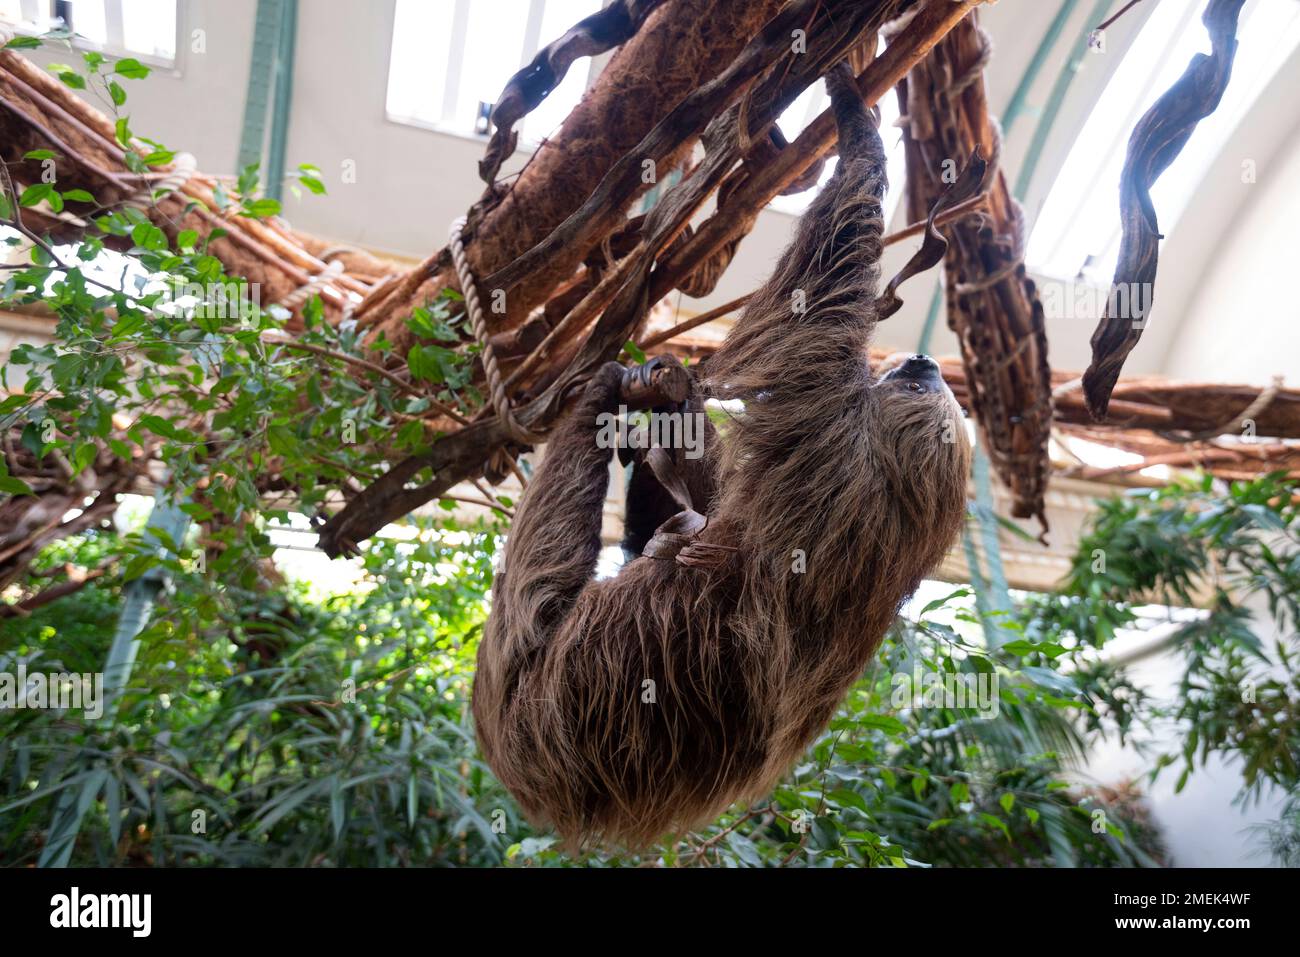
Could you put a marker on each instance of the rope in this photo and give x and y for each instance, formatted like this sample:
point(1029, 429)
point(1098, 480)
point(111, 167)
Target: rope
point(313, 286)
point(976, 70)
point(496, 387)
point(183, 168)
point(1257, 405)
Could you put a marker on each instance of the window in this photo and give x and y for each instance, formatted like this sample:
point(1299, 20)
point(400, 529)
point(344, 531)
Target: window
point(451, 59)
point(447, 68)
point(1075, 235)
point(144, 29)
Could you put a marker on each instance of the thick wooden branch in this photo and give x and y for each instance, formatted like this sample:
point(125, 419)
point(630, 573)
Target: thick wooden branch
point(644, 281)
point(609, 27)
point(681, 46)
point(38, 112)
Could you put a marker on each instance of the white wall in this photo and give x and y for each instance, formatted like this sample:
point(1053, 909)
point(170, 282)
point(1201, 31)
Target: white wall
point(1243, 324)
point(1203, 825)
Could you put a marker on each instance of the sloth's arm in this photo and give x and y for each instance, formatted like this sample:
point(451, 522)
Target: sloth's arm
point(798, 358)
point(807, 328)
point(554, 541)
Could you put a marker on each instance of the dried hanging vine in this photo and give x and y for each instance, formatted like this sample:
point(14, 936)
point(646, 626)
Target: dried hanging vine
point(1156, 142)
point(525, 91)
point(992, 304)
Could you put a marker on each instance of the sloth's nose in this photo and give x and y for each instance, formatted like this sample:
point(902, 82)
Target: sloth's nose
point(920, 364)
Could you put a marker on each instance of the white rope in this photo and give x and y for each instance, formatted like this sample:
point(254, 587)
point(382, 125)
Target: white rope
point(1237, 422)
point(496, 388)
point(313, 286)
point(339, 250)
point(182, 171)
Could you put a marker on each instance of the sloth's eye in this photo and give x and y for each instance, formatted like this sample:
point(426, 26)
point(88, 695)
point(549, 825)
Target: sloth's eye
point(916, 387)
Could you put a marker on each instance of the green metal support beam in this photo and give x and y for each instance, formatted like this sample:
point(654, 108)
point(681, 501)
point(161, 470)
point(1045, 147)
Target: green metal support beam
point(1017, 105)
point(1055, 99)
point(270, 92)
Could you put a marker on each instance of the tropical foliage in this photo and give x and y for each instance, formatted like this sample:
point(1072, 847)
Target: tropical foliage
point(268, 728)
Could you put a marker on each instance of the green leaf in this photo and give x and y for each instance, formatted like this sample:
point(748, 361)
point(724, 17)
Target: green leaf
point(131, 68)
point(427, 363)
point(309, 176)
point(138, 565)
point(1265, 517)
point(998, 823)
point(149, 236)
point(78, 196)
point(12, 403)
point(246, 185)
point(883, 722)
point(847, 798)
point(745, 849)
point(116, 92)
point(23, 43)
point(940, 602)
point(83, 456)
point(39, 155)
point(42, 192)
point(281, 805)
point(160, 426)
point(634, 352)
point(261, 208)
point(12, 486)
point(338, 814)
point(68, 75)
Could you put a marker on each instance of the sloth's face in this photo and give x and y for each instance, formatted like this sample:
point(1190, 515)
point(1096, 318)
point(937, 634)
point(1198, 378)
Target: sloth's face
point(922, 420)
point(916, 374)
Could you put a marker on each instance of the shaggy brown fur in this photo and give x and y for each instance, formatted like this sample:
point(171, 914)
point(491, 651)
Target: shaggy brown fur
point(864, 476)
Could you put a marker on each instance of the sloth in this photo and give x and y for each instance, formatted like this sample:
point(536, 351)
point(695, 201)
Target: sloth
point(624, 710)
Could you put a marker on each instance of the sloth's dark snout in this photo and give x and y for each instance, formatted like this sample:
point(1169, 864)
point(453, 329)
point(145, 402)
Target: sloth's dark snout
point(920, 365)
point(918, 368)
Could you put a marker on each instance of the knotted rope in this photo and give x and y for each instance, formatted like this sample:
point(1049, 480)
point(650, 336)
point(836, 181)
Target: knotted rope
point(496, 386)
point(183, 168)
point(1257, 405)
point(313, 286)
